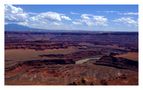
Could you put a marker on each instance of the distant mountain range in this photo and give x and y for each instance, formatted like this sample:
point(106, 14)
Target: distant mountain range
point(21, 28)
point(16, 27)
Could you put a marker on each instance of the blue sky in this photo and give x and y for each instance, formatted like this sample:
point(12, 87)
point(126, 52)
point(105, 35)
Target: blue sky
point(74, 17)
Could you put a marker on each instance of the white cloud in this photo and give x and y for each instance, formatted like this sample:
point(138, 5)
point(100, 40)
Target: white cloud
point(53, 16)
point(119, 13)
point(65, 17)
point(127, 20)
point(100, 20)
point(129, 13)
point(56, 23)
point(12, 9)
point(56, 20)
point(74, 13)
point(15, 14)
point(108, 11)
point(86, 16)
point(77, 23)
point(92, 20)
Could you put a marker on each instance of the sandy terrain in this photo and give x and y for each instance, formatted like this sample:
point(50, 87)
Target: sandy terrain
point(129, 55)
point(27, 54)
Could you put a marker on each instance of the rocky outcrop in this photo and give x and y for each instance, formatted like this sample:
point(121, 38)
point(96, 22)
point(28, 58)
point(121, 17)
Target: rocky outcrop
point(49, 62)
point(120, 63)
point(40, 63)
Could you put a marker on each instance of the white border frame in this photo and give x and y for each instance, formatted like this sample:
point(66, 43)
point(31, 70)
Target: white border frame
point(139, 2)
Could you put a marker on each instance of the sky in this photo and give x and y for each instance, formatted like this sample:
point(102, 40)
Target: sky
point(74, 17)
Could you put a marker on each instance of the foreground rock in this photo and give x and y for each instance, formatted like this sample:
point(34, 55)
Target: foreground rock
point(120, 63)
point(68, 74)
